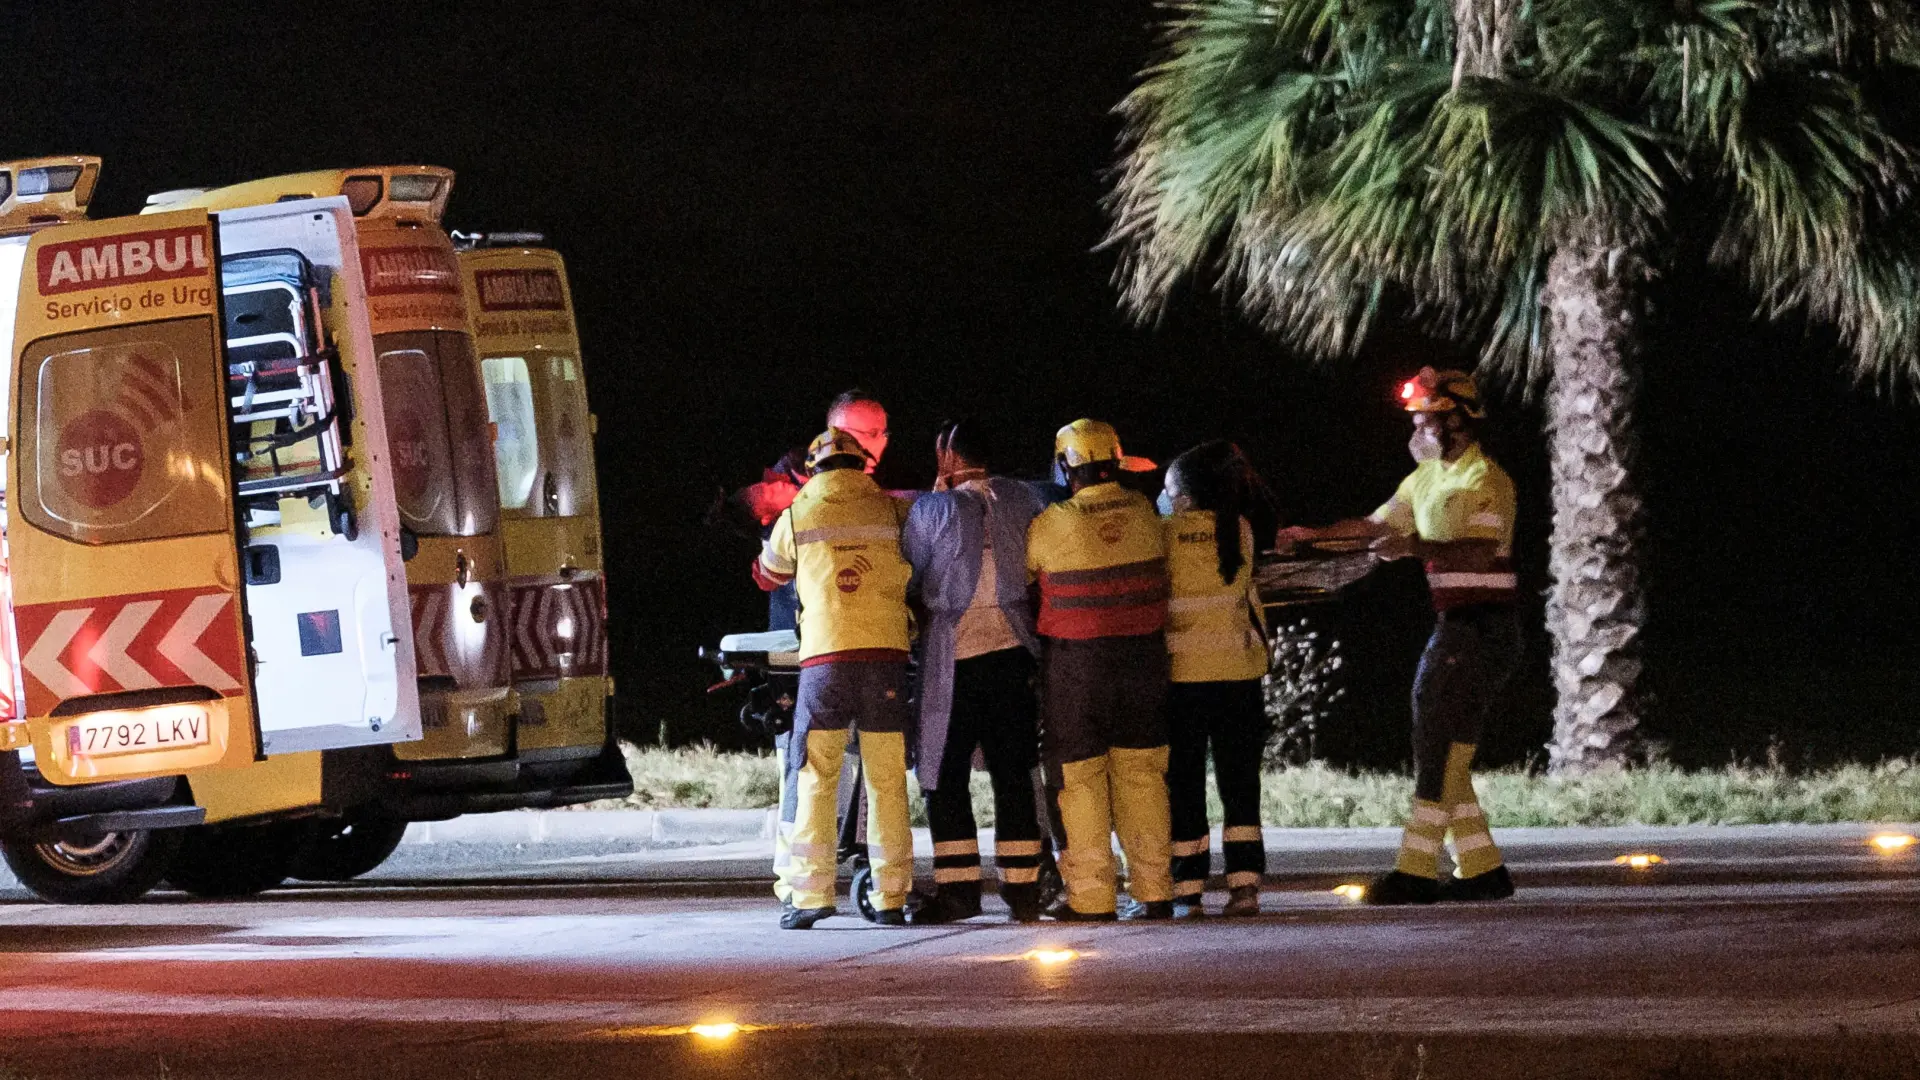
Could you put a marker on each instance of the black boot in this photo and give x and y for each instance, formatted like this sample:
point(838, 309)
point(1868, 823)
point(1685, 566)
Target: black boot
point(1394, 888)
point(1023, 901)
point(1495, 884)
point(1065, 912)
point(794, 918)
point(955, 901)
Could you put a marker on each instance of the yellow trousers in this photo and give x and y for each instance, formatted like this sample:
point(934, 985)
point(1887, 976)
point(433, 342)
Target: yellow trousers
point(814, 849)
point(1123, 791)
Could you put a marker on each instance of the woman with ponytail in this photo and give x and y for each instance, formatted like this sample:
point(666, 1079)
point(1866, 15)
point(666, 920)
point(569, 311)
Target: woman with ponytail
point(1216, 638)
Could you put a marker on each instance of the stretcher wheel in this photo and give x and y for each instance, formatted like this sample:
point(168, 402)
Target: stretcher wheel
point(1052, 885)
point(862, 892)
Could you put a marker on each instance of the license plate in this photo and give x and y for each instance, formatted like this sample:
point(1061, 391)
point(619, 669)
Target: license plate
point(163, 727)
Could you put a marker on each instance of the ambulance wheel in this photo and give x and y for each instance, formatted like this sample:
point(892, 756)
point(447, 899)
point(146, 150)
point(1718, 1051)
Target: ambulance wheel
point(862, 891)
point(341, 849)
point(113, 868)
point(218, 861)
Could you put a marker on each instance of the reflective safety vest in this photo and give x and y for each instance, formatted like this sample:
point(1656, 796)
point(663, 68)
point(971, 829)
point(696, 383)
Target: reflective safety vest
point(1100, 559)
point(1216, 630)
point(840, 544)
point(1468, 498)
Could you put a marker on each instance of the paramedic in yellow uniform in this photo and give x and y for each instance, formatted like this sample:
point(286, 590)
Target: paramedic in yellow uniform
point(1099, 561)
point(839, 544)
point(1217, 649)
point(1456, 511)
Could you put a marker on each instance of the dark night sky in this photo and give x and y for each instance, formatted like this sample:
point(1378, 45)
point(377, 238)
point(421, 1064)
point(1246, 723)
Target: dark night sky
point(763, 203)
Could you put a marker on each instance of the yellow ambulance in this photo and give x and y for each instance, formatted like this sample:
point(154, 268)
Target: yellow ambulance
point(469, 758)
point(529, 350)
point(209, 613)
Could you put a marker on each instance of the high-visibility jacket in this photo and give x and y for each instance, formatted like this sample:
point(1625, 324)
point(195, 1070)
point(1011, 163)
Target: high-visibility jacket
point(1216, 630)
point(1101, 561)
point(839, 543)
point(1468, 498)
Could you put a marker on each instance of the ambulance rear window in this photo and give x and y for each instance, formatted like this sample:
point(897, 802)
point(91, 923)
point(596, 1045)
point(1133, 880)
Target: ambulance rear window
point(516, 444)
point(127, 440)
point(566, 438)
point(543, 444)
point(437, 431)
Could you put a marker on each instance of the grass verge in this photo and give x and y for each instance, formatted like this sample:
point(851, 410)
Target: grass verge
point(1317, 796)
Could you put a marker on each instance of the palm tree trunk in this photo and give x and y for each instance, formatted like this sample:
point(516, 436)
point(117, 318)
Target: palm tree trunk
point(1597, 605)
point(1483, 32)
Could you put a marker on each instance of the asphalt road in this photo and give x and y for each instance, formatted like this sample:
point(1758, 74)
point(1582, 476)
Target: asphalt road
point(1791, 954)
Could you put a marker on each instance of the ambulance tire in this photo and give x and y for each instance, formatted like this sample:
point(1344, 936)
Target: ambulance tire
point(117, 868)
point(341, 849)
point(220, 861)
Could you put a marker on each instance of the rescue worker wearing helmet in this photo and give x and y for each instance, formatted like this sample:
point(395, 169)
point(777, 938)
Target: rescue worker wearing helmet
point(839, 544)
point(1455, 511)
point(1099, 561)
point(967, 544)
point(858, 414)
point(1217, 644)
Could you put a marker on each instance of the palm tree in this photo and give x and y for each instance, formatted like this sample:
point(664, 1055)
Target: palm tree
point(1510, 173)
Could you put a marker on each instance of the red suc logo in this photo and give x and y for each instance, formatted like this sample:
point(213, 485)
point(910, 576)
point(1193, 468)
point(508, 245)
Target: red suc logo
point(101, 459)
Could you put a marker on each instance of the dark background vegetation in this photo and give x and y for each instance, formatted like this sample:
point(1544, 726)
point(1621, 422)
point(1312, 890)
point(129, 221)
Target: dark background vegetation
point(766, 202)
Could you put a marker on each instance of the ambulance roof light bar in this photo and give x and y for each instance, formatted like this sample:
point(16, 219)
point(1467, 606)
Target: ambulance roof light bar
point(467, 241)
point(404, 193)
point(45, 190)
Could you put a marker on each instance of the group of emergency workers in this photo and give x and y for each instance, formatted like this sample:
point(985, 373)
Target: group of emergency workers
point(1079, 631)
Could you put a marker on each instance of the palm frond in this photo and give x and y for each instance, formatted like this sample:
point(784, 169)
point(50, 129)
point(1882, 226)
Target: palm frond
point(1318, 156)
point(1850, 34)
point(1802, 162)
point(1212, 132)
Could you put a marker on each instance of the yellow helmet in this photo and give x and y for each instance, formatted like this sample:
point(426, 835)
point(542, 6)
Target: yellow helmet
point(1434, 391)
point(833, 443)
point(1086, 441)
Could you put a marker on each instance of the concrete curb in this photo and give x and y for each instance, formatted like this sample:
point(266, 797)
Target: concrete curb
point(597, 826)
point(680, 827)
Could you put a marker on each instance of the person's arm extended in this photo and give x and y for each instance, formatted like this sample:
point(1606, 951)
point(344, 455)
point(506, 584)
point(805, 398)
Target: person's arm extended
point(1459, 556)
point(1394, 517)
point(1366, 528)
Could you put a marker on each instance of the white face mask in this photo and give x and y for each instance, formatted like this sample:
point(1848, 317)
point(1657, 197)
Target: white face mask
point(1426, 445)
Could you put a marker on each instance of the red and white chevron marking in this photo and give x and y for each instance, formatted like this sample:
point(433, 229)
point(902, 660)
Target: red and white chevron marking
point(430, 605)
point(140, 641)
point(559, 628)
point(447, 640)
